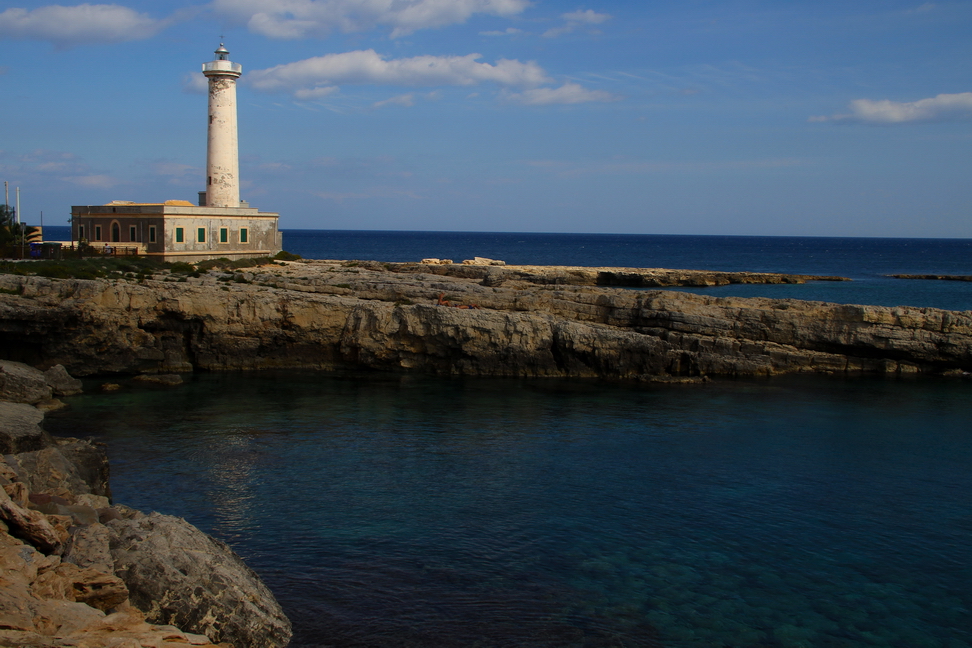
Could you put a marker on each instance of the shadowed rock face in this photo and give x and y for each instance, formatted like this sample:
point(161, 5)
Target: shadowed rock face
point(72, 567)
point(327, 315)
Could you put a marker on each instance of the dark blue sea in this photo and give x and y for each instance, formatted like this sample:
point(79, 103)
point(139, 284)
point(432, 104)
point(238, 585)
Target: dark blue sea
point(396, 510)
point(867, 261)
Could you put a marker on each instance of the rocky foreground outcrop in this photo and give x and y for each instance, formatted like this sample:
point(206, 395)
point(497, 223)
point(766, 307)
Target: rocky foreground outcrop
point(330, 315)
point(76, 570)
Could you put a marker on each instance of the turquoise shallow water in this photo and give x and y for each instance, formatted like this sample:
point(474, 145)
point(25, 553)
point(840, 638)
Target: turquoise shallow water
point(407, 511)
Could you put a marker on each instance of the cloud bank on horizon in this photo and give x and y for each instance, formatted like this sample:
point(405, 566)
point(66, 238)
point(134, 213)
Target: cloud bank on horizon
point(684, 111)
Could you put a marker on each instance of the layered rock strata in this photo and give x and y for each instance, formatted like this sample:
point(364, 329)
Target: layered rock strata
point(76, 570)
point(330, 315)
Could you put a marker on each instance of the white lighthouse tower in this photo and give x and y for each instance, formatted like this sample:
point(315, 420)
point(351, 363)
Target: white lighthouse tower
point(222, 153)
point(219, 226)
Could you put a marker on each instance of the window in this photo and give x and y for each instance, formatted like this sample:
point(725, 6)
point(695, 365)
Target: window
point(97, 232)
point(201, 234)
point(151, 233)
point(80, 232)
point(131, 232)
point(179, 236)
point(223, 235)
point(244, 235)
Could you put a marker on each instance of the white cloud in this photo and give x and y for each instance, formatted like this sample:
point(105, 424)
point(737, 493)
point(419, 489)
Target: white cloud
point(575, 20)
point(195, 83)
point(291, 19)
point(173, 169)
point(46, 168)
point(40, 162)
point(275, 167)
point(96, 181)
point(569, 93)
point(943, 107)
point(368, 67)
point(314, 93)
point(407, 100)
point(79, 25)
point(590, 17)
point(640, 167)
point(339, 197)
point(509, 31)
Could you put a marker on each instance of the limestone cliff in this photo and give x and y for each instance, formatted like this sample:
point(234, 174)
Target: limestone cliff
point(328, 315)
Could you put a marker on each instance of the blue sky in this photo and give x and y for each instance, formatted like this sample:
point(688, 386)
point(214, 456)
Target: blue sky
point(695, 117)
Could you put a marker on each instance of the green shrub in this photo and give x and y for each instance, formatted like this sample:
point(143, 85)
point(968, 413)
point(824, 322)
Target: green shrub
point(284, 255)
point(181, 267)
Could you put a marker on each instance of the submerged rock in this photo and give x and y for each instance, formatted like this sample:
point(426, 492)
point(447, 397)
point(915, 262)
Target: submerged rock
point(166, 380)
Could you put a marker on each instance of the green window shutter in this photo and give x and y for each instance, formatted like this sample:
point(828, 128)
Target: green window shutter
point(179, 236)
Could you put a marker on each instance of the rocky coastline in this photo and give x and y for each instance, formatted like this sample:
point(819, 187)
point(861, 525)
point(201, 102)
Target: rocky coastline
point(510, 321)
point(77, 569)
point(933, 277)
point(80, 570)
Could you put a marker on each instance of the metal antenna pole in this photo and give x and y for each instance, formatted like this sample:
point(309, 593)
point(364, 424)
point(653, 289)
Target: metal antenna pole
point(23, 228)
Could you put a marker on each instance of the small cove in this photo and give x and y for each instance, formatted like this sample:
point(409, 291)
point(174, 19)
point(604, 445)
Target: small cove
point(391, 510)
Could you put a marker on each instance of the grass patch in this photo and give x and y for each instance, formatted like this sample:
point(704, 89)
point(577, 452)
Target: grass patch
point(95, 268)
point(223, 263)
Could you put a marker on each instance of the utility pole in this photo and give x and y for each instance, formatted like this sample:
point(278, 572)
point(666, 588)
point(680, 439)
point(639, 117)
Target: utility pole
point(23, 229)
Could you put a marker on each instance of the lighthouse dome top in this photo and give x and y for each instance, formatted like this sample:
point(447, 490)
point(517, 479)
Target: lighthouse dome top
point(222, 66)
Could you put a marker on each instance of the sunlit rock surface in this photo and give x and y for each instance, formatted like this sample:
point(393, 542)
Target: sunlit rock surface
point(524, 322)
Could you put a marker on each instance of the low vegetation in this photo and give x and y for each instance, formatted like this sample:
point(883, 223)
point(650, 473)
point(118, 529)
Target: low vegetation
point(14, 237)
point(130, 267)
